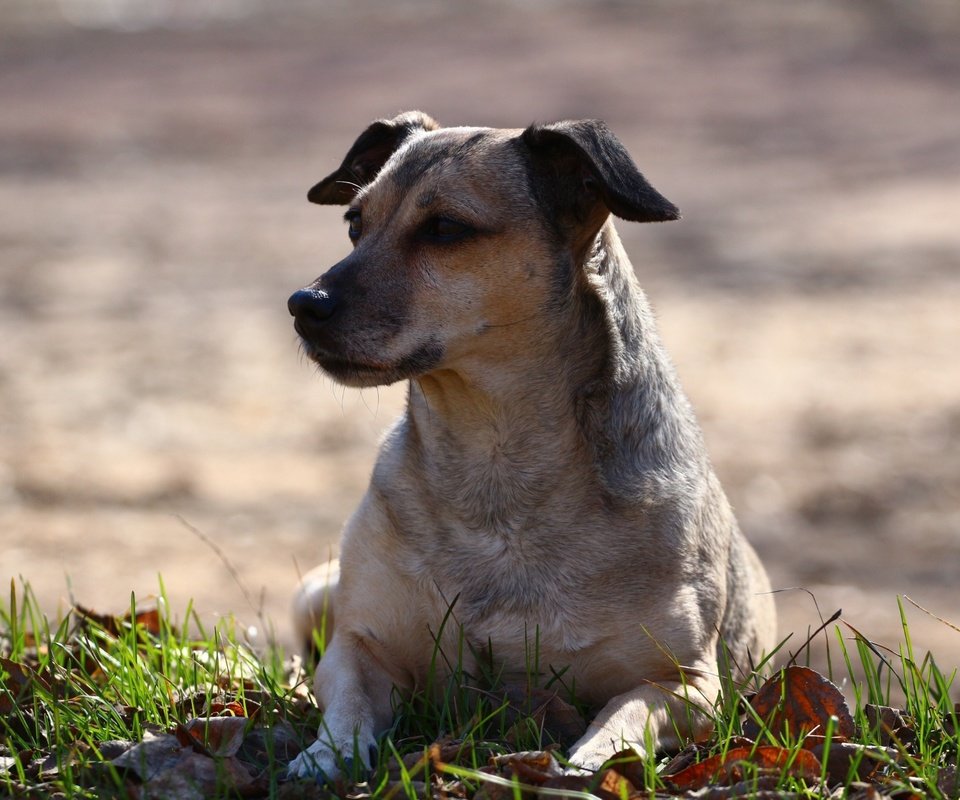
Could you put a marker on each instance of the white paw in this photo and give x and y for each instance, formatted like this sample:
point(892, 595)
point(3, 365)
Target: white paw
point(591, 752)
point(583, 762)
point(318, 761)
point(325, 762)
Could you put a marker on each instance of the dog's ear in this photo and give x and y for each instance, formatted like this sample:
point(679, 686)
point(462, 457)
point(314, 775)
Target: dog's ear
point(368, 154)
point(585, 163)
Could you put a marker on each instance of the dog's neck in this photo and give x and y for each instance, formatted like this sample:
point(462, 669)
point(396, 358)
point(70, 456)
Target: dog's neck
point(640, 421)
point(588, 407)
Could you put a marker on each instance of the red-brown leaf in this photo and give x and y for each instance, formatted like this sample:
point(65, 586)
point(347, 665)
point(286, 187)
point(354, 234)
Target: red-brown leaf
point(730, 767)
point(148, 619)
point(799, 700)
point(18, 684)
point(215, 736)
point(560, 787)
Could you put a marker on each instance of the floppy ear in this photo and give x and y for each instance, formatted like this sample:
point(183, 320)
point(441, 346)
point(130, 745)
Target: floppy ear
point(587, 163)
point(368, 154)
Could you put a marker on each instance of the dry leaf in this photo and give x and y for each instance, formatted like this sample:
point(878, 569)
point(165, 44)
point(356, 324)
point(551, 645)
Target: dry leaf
point(197, 771)
point(734, 765)
point(629, 764)
point(799, 700)
point(151, 756)
point(148, 619)
point(17, 684)
point(575, 783)
point(215, 736)
point(530, 767)
point(844, 757)
point(167, 768)
point(547, 709)
point(894, 726)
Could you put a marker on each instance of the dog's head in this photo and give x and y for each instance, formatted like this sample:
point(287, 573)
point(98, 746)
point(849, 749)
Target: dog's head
point(458, 235)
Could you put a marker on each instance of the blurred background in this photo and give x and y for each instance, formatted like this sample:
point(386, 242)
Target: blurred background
point(157, 418)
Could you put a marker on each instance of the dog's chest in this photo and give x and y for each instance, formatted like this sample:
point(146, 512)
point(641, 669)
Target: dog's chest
point(509, 594)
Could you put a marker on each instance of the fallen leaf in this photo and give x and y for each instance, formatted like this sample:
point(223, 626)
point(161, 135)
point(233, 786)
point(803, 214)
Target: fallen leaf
point(796, 701)
point(560, 786)
point(530, 767)
point(614, 783)
point(895, 727)
point(547, 710)
point(761, 788)
point(196, 773)
point(734, 765)
point(693, 753)
point(264, 746)
point(232, 709)
point(151, 756)
point(629, 764)
point(168, 769)
point(948, 781)
point(148, 619)
point(844, 759)
point(215, 736)
point(17, 681)
point(113, 748)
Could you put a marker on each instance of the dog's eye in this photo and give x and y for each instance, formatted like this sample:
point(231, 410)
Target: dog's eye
point(356, 226)
point(443, 230)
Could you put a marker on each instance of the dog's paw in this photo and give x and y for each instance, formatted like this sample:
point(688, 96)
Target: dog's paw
point(585, 763)
point(591, 756)
point(325, 763)
point(318, 761)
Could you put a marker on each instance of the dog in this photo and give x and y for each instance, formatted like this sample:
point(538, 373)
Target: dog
point(548, 479)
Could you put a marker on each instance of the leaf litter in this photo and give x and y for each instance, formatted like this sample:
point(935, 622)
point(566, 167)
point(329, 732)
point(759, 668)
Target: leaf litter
point(797, 732)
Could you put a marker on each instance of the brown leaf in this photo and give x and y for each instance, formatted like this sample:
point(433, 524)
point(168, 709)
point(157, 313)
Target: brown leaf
point(195, 772)
point(796, 701)
point(583, 783)
point(147, 618)
point(629, 764)
point(614, 783)
point(151, 756)
point(215, 736)
point(758, 788)
point(531, 767)
point(548, 711)
point(948, 781)
point(893, 725)
point(494, 791)
point(233, 709)
point(17, 681)
point(265, 746)
point(167, 768)
point(562, 720)
point(694, 752)
point(732, 766)
point(444, 751)
point(848, 758)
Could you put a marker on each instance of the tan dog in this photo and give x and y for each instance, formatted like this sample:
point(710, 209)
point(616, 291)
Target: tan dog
point(548, 478)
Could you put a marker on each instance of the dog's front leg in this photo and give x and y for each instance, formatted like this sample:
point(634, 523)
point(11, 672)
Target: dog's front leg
point(656, 715)
point(354, 691)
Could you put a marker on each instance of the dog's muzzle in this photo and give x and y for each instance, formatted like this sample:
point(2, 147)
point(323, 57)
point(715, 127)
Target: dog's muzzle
point(310, 309)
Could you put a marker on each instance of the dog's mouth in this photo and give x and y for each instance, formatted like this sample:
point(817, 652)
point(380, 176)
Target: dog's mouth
point(363, 371)
point(351, 372)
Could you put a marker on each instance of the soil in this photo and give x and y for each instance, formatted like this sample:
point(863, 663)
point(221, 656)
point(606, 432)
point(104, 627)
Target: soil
point(156, 417)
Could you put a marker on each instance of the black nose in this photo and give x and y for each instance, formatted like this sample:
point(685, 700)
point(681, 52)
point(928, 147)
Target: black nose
point(310, 308)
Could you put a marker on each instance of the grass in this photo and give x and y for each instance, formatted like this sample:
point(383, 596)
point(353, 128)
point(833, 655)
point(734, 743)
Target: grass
point(76, 692)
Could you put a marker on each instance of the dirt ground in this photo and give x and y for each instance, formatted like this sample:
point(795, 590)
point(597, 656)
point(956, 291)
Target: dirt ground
point(153, 221)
